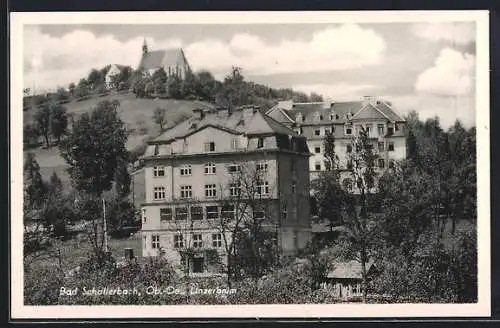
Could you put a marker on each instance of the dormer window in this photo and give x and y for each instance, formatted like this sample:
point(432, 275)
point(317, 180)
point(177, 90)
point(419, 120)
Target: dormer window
point(348, 129)
point(260, 143)
point(157, 150)
point(299, 118)
point(209, 146)
point(321, 117)
point(332, 117)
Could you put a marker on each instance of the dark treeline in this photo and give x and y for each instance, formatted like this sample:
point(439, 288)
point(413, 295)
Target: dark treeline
point(416, 221)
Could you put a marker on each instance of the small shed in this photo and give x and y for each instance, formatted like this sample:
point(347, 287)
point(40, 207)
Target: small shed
point(345, 278)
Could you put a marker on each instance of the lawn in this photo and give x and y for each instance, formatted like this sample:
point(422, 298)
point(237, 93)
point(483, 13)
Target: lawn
point(76, 250)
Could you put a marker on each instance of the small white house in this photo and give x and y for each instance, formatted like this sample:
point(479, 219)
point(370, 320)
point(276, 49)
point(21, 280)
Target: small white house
point(114, 70)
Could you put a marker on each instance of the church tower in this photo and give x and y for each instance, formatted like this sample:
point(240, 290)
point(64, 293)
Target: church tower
point(144, 47)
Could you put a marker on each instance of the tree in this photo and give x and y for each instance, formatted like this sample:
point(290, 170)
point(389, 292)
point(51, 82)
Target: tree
point(316, 97)
point(35, 189)
point(159, 117)
point(82, 89)
point(159, 81)
point(95, 78)
point(174, 87)
point(205, 85)
point(95, 147)
point(62, 95)
point(55, 184)
point(43, 121)
point(244, 224)
point(122, 179)
point(30, 135)
point(72, 88)
point(59, 121)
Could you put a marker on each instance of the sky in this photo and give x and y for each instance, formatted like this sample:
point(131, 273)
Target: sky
point(427, 67)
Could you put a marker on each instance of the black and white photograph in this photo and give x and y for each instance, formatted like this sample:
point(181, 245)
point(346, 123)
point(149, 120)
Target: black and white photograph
point(250, 164)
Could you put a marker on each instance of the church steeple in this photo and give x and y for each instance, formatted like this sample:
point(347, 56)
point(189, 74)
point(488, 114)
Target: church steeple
point(144, 47)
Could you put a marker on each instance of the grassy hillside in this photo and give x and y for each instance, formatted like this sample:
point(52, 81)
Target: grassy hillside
point(135, 112)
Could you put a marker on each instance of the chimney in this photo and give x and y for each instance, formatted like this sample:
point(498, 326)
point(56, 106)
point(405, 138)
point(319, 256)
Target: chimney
point(368, 99)
point(222, 112)
point(198, 113)
point(129, 253)
point(248, 112)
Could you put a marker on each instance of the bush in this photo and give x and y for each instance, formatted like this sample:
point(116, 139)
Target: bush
point(42, 285)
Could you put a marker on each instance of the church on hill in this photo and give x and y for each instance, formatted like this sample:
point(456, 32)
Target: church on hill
point(172, 60)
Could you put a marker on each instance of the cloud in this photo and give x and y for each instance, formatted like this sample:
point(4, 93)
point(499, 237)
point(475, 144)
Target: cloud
point(454, 32)
point(334, 48)
point(338, 91)
point(451, 75)
point(448, 109)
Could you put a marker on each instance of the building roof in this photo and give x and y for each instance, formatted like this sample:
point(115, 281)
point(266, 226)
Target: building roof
point(287, 111)
point(348, 270)
point(234, 122)
point(163, 58)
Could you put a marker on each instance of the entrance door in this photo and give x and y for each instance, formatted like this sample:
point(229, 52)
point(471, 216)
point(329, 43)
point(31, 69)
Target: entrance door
point(198, 264)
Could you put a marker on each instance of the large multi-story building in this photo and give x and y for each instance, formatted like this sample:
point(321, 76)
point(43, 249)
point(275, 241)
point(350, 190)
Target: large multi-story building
point(344, 119)
point(217, 164)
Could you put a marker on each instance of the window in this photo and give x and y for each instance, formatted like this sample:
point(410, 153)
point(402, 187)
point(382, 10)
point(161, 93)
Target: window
point(144, 215)
point(368, 130)
point(260, 143)
point(209, 146)
point(317, 132)
point(186, 191)
point(348, 149)
point(391, 164)
point(396, 127)
point(155, 241)
point(212, 212)
point(185, 170)
point(294, 186)
point(381, 163)
point(317, 166)
point(332, 117)
point(165, 214)
point(233, 168)
point(317, 150)
point(380, 129)
point(261, 166)
point(181, 213)
point(235, 143)
point(210, 191)
point(196, 213)
point(158, 171)
point(159, 193)
point(381, 146)
point(348, 130)
point(216, 240)
point(390, 130)
point(263, 188)
point(197, 241)
point(259, 214)
point(178, 241)
point(234, 189)
point(210, 168)
point(391, 146)
point(198, 264)
point(157, 150)
point(227, 211)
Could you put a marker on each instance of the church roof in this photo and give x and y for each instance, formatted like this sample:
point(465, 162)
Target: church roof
point(163, 58)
